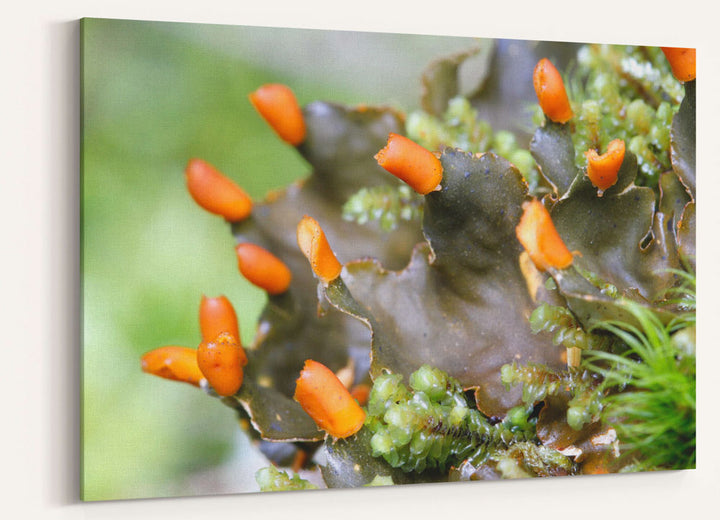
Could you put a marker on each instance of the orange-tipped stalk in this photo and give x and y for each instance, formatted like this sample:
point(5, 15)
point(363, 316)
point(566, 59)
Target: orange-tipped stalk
point(215, 192)
point(263, 269)
point(221, 361)
point(537, 234)
point(217, 315)
point(174, 363)
point(411, 163)
point(550, 91)
point(602, 170)
point(682, 62)
point(278, 106)
point(316, 249)
point(327, 401)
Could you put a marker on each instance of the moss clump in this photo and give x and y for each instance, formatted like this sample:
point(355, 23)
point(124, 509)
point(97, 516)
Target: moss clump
point(273, 479)
point(650, 389)
point(431, 425)
point(628, 93)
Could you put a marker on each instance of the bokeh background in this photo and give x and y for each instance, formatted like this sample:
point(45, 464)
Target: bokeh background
point(154, 95)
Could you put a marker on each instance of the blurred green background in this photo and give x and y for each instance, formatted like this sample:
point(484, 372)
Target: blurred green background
point(153, 96)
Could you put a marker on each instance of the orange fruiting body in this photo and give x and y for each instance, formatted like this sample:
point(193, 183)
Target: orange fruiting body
point(221, 361)
point(315, 247)
point(602, 170)
point(327, 401)
point(682, 62)
point(263, 269)
point(172, 362)
point(550, 91)
point(278, 106)
point(537, 234)
point(215, 192)
point(411, 163)
point(217, 315)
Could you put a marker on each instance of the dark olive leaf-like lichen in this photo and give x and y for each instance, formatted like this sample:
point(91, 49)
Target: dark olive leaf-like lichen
point(275, 416)
point(620, 237)
point(553, 150)
point(674, 198)
point(462, 303)
point(686, 235)
point(625, 237)
point(339, 146)
point(682, 149)
point(682, 139)
point(461, 300)
point(463, 73)
point(669, 225)
point(609, 231)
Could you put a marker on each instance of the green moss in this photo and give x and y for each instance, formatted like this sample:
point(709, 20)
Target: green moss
point(273, 479)
point(380, 481)
point(540, 382)
point(387, 205)
point(628, 93)
point(566, 328)
point(650, 387)
point(432, 425)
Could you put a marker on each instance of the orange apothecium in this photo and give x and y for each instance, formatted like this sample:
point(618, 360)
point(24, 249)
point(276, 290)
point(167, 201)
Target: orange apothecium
point(217, 315)
point(221, 361)
point(682, 62)
point(263, 269)
point(174, 363)
point(537, 234)
point(411, 163)
point(551, 93)
point(602, 170)
point(277, 104)
point(315, 247)
point(327, 401)
point(215, 192)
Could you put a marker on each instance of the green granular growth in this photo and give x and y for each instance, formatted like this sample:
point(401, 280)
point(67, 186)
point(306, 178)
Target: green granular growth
point(388, 205)
point(628, 93)
point(432, 425)
point(273, 479)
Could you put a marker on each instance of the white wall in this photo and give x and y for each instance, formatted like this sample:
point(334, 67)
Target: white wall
point(39, 305)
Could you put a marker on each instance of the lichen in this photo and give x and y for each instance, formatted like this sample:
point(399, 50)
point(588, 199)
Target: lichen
point(449, 307)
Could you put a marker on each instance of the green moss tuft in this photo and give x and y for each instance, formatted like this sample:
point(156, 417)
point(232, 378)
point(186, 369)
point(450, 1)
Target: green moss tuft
point(273, 479)
point(432, 426)
point(650, 388)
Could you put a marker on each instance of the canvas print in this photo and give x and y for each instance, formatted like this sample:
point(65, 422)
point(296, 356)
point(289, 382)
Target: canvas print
point(323, 259)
